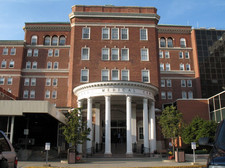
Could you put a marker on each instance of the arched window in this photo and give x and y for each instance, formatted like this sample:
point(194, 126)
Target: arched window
point(34, 40)
point(47, 40)
point(170, 42)
point(182, 42)
point(54, 40)
point(62, 40)
point(162, 42)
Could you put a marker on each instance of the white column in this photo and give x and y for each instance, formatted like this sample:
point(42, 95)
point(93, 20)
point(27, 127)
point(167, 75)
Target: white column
point(12, 129)
point(97, 125)
point(89, 125)
point(128, 116)
point(133, 124)
point(79, 105)
point(145, 126)
point(153, 128)
point(108, 126)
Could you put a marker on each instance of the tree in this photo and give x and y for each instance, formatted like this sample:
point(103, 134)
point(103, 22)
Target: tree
point(171, 123)
point(75, 130)
point(197, 129)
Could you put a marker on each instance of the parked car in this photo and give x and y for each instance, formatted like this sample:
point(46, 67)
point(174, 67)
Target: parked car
point(8, 158)
point(217, 155)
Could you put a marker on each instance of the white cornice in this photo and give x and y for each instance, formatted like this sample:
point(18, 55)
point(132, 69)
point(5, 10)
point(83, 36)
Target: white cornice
point(44, 76)
point(46, 70)
point(46, 46)
point(114, 15)
point(175, 77)
point(10, 70)
point(9, 75)
point(113, 24)
point(175, 48)
point(178, 72)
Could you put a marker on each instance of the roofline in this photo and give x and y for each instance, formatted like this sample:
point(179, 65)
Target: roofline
point(110, 6)
point(47, 22)
point(171, 25)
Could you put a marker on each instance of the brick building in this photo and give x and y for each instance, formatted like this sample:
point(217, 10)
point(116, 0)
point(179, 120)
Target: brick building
point(116, 63)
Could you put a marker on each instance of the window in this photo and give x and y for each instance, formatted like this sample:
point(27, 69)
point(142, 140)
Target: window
point(144, 54)
point(55, 65)
point(162, 42)
point(50, 52)
point(56, 53)
point(167, 54)
point(105, 33)
point(124, 54)
point(187, 55)
point(9, 81)
point(25, 93)
point(5, 51)
point(170, 42)
point(169, 95)
point(35, 52)
point(85, 53)
point(188, 67)
point(183, 83)
point(105, 75)
point(54, 82)
point(3, 65)
point(2, 80)
point(190, 95)
point(124, 34)
point(143, 34)
point(54, 40)
point(163, 95)
point(34, 40)
point(160, 54)
point(115, 54)
point(141, 133)
point(115, 34)
point(145, 76)
point(47, 94)
point(105, 54)
point(161, 67)
point(181, 55)
point(163, 83)
point(168, 83)
point(29, 52)
point(189, 83)
point(26, 82)
point(33, 82)
point(84, 75)
point(182, 42)
point(32, 94)
point(115, 74)
point(85, 33)
point(49, 65)
point(167, 67)
point(125, 75)
point(182, 67)
point(54, 94)
point(47, 40)
point(13, 51)
point(48, 82)
point(184, 95)
point(62, 40)
point(34, 65)
point(28, 65)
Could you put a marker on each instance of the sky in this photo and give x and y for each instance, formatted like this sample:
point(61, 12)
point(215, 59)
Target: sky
point(196, 13)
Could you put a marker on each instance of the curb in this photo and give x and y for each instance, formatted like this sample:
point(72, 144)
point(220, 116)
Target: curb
point(191, 166)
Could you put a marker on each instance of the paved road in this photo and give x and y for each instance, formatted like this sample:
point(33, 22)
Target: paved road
point(114, 163)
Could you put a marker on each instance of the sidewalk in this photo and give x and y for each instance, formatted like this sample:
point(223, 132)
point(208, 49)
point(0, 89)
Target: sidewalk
point(114, 163)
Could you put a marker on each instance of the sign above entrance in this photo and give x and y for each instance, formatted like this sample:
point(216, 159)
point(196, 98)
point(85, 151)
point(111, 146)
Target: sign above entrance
point(116, 89)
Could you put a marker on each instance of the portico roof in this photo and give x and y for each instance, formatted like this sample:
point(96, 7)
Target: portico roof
point(116, 88)
point(21, 107)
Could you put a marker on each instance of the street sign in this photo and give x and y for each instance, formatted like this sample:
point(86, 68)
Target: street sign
point(47, 146)
point(193, 145)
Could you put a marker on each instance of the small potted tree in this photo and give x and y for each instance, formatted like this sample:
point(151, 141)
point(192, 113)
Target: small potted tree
point(75, 132)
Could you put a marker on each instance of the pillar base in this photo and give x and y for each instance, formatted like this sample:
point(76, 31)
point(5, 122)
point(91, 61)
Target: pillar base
point(108, 155)
point(129, 155)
